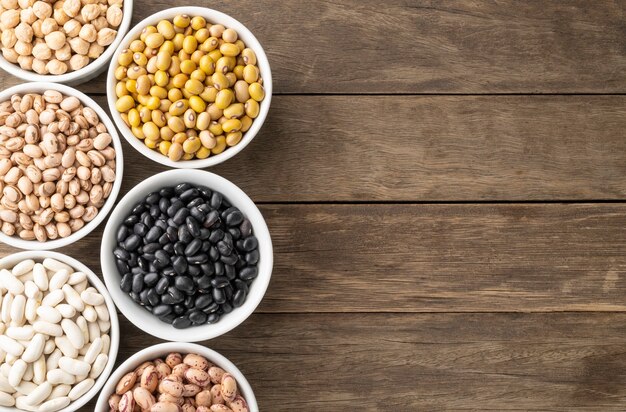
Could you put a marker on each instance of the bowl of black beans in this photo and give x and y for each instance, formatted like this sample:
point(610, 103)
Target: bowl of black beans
point(186, 255)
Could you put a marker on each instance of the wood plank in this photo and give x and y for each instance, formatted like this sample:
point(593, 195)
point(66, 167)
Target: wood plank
point(426, 46)
point(418, 362)
point(438, 258)
point(408, 148)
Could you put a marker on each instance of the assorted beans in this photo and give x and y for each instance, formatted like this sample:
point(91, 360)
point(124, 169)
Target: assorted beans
point(56, 37)
point(188, 88)
point(54, 335)
point(178, 383)
point(187, 255)
point(57, 165)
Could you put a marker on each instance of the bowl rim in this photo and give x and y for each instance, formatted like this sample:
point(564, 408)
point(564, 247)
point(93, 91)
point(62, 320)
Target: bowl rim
point(143, 319)
point(160, 349)
point(40, 87)
point(212, 16)
point(86, 73)
point(114, 332)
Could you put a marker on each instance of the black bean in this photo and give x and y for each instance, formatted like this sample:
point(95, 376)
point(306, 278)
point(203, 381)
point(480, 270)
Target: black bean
point(164, 203)
point(182, 187)
point(234, 218)
point(153, 297)
point(246, 228)
point(184, 284)
point(203, 300)
point(167, 192)
point(168, 319)
point(229, 260)
point(207, 269)
point(122, 233)
point(219, 282)
point(193, 247)
point(218, 267)
point(126, 284)
point(180, 216)
point(216, 236)
point(161, 310)
point(198, 259)
point(143, 296)
point(181, 322)
point(135, 296)
point(151, 279)
point(214, 255)
point(196, 214)
point(137, 283)
point(252, 258)
point(213, 318)
point(136, 270)
point(241, 285)
point(239, 297)
point(197, 317)
point(172, 233)
point(230, 272)
point(155, 212)
point(211, 219)
point(204, 282)
point(192, 225)
point(162, 285)
point(224, 248)
point(205, 192)
point(226, 307)
point(122, 254)
point(216, 200)
point(179, 309)
point(228, 291)
point(162, 224)
point(138, 209)
point(168, 299)
point(189, 302)
point(174, 208)
point(153, 234)
point(184, 235)
point(189, 194)
point(234, 232)
point(213, 307)
point(132, 242)
point(195, 203)
point(194, 270)
point(179, 248)
point(250, 243)
point(143, 264)
point(204, 233)
point(122, 267)
point(248, 273)
point(169, 248)
point(179, 264)
point(162, 257)
point(131, 220)
point(218, 296)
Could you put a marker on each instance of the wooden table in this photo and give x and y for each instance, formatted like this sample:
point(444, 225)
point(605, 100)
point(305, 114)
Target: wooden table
point(444, 182)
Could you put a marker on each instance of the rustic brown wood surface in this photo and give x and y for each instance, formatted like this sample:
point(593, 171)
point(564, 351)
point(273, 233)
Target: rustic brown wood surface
point(446, 238)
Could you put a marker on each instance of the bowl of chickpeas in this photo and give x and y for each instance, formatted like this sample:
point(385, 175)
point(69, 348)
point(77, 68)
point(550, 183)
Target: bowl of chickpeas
point(68, 42)
point(189, 87)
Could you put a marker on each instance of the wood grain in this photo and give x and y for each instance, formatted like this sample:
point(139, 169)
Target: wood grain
point(426, 362)
point(438, 258)
point(410, 148)
point(429, 46)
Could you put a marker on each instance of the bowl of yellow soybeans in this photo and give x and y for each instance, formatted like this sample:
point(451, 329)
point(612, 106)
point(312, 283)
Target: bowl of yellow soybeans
point(189, 87)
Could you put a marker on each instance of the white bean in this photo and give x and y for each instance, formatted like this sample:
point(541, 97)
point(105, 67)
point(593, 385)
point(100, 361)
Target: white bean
point(103, 312)
point(60, 391)
point(98, 366)
point(80, 287)
point(104, 326)
point(11, 346)
point(76, 278)
point(30, 312)
point(25, 387)
point(20, 332)
point(20, 403)
point(49, 314)
point(106, 344)
point(73, 333)
point(94, 331)
point(23, 267)
point(7, 301)
point(17, 310)
point(74, 366)
point(57, 376)
point(59, 279)
point(73, 298)
point(11, 283)
point(40, 276)
point(90, 314)
point(5, 386)
point(94, 350)
point(92, 298)
point(53, 298)
point(39, 370)
point(31, 290)
point(52, 362)
point(49, 347)
point(40, 394)
point(47, 328)
point(67, 311)
point(54, 265)
point(80, 389)
point(66, 346)
point(6, 399)
point(27, 277)
point(35, 348)
point(5, 368)
point(28, 375)
point(54, 404)
point(17, 372)
point(10, 359)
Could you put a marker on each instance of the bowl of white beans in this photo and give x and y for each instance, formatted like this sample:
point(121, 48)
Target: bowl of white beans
point(59, 333)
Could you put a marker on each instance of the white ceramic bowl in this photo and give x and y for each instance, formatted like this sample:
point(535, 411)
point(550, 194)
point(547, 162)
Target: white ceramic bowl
point(15, 241)
point(11, 260)
point(139, 316)
point(215, 17)
point(162, 350)
point(83, 75)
